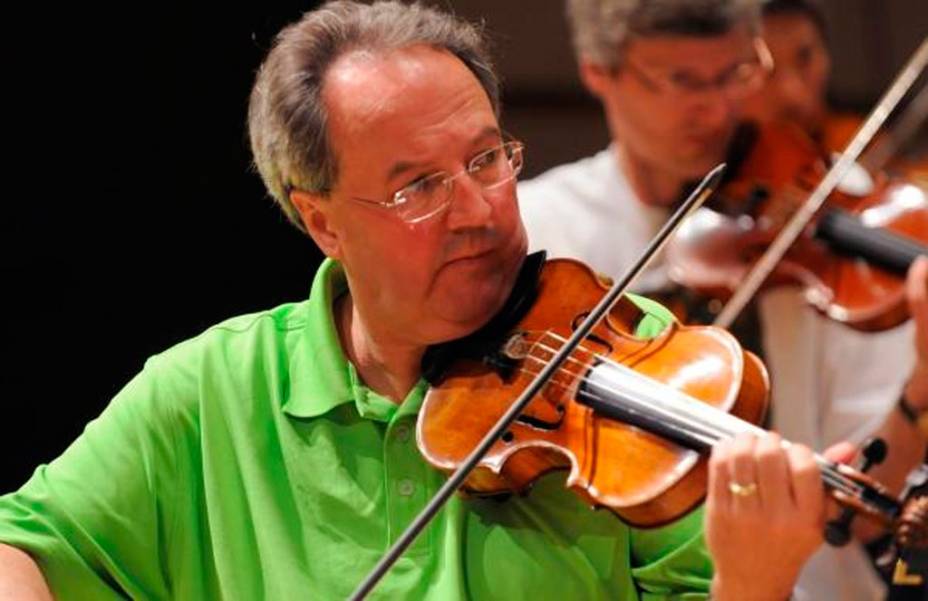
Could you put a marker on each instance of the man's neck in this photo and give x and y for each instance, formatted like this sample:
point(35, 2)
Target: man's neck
point(652, 185)
point(391, 370)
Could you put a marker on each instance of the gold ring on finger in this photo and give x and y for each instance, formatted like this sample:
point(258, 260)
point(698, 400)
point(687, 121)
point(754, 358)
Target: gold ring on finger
point(742, 490)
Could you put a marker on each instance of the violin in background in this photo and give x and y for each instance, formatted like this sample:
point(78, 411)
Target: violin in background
point(850, 261)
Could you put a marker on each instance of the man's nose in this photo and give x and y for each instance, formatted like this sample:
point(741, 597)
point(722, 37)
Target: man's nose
point(715, 109)
point(470, 205)
point(791, 92)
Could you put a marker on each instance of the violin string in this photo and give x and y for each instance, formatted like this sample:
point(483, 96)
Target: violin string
point(693, 406)
point(692, 425)
point(690, 409)
point(687, 417)
point(704, 427)
point(705, 437)
point(712, 420)
point(830, 478)
point(683, 408)
point(709, 438)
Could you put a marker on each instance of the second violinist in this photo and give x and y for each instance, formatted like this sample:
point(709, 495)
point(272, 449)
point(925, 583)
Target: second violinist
point(673, 86)
point(796, 34)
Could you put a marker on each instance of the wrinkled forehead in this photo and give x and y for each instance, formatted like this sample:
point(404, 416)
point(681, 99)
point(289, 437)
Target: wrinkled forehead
point(397, 92)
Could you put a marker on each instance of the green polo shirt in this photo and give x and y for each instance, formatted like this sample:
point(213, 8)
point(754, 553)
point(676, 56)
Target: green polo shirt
point(252, 463)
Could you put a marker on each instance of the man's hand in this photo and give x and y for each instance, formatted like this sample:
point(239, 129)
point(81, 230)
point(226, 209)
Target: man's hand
point(916, 391)
point(765, 515)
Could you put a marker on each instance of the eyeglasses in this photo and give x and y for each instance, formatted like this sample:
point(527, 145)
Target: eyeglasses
point(741, 80)
point(429, 195)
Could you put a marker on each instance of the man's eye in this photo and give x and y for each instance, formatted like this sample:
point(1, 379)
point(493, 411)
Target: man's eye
point(486, 159)
point(416, 184)
point(804, 57)
point(685, 81)
point(425, 185)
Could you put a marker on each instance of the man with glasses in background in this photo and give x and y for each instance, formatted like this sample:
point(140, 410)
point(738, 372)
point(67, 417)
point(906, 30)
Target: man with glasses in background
point(794, 30)
point(673, 76)
point(273, 456)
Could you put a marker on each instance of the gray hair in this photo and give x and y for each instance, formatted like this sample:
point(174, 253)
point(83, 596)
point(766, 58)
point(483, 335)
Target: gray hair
point(602, 28)
point(287, 117)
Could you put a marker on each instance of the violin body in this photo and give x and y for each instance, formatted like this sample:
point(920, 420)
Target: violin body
point(851, 263)
point(643, 477)
point(839, 128)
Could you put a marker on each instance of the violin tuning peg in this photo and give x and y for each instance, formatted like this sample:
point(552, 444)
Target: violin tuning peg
point(874, 452)
point(756, 197)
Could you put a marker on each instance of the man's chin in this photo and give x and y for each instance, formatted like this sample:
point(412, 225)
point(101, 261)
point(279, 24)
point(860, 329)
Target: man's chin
point(466, 316)
point(696, 165)
point(475, 293)
point(470, 310)
point(697, 156)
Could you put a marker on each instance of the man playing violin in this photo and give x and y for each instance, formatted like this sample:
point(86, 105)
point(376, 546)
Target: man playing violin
point(673, 77)
point(796, 90)
point(794, 31)
point(273, 457)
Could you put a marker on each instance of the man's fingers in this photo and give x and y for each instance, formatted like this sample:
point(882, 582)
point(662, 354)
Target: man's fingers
point(842, 452)
point(806, 481)
point(773, 477)
point(743, 469)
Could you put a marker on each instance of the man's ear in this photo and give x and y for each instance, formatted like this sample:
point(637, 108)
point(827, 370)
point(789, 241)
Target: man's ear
point(314, 210)
point(596, 78)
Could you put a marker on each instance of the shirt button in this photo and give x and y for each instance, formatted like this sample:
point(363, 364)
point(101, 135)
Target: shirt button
point(406, 487)
point(402, 433)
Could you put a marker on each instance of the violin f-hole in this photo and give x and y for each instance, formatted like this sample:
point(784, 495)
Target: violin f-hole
point(592, 336)
point(541, 424)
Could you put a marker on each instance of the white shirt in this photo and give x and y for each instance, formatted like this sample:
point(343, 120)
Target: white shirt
point(829, 382)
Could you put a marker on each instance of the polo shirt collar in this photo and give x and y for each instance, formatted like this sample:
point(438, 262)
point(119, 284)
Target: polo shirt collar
point(320, 378)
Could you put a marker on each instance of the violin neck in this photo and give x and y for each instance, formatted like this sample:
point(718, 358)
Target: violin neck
point(847, 234)
point(618, 392)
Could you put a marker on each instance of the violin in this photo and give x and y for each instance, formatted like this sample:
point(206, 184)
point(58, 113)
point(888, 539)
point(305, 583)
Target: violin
point(850, 261)
point(881, 156)
point(764, 245)
point(837, 129)
point(629, 419)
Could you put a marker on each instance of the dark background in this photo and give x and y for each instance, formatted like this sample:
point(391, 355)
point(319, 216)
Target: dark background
point(134, 222)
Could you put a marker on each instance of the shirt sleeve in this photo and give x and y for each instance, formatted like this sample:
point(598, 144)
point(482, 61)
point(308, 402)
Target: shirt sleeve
point(98, 519)
point(672, 562)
